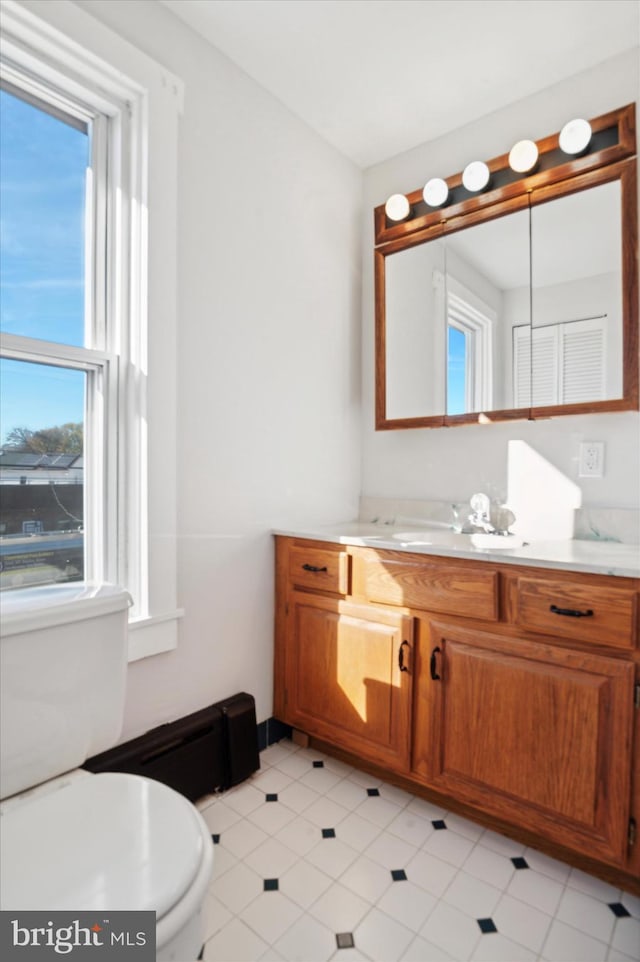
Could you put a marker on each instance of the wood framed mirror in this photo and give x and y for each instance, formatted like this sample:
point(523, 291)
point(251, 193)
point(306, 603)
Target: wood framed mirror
point(519, 302)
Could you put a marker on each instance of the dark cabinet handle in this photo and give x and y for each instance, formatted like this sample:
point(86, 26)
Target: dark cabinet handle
point(571, 612)
point(433, 665)
point(313, 568)
point(401, 662)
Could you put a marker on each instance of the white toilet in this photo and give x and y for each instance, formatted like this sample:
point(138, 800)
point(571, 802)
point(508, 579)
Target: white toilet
point(71, 840)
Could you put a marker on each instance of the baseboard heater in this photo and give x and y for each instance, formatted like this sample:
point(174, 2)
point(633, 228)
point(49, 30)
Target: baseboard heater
point(208, 751)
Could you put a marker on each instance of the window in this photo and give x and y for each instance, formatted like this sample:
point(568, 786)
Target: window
point(88, 325)
point(469, 351)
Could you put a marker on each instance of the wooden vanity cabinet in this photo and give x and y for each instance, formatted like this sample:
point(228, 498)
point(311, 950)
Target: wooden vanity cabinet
point(343, 670)
point(510, 690)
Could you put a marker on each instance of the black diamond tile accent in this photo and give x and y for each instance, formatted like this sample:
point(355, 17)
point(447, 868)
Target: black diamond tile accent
point(215, 839)
point(328, 833)
point(439, 824)
point(619, 910)
point(271, 885)
point(318, 764)
point(398, 875)
point(520, 862)
point(271, 797)
point(486, 926)
point(344, 940)
point(373, 792)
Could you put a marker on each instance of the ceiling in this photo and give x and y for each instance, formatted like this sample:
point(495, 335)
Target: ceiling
point(378, 77)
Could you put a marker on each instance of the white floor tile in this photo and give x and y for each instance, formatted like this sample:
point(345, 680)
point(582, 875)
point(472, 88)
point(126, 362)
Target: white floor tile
point(586, 914)
point(220, 817)
point(237, 887)
point(271, 780)
point(243, 799)
point(380, 937)
point(566, 944)
point(275, 753)
point(497, 948)
point(242, 838)
point(378, 810)
point(472, 896)
point(320, 779)
point(357, 832)
point(522, 923)
point(411, 827)
point(295, 765)
point(364, 779)
point(546, 865)
point(367, 879)
point(271, 859)
point(422, 951)
point(325, 813)
point(452, 931)
point(297, 797)
point(300, 835)
point(234, 943)
point(339, 909)
point(215, 916)
point(332, 856)
point(449, 846)
point(394, 794)
point(304, 883)
point(347, 793)
point(616, 956)
point(593, 886)
point(542, 892)
point(631, 903)
point(223, 860)
point(426, 809)
point(501, 844)
point(307, 941)
point(489, 866)
point(430, 873)
point(462, 826)
point(340, 768)
point(270, 915)
point(391, 851)
point(407, 904)
point(271, 817)
point(626, 937)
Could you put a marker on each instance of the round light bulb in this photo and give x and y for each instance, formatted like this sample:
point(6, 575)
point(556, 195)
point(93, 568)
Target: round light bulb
point(475, 176)
point(575, 136)
point(523, 156)
point(397, 207)
point(435, 192)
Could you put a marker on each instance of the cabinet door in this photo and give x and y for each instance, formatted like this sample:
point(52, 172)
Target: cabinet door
point(348, 676)
point(533, 733)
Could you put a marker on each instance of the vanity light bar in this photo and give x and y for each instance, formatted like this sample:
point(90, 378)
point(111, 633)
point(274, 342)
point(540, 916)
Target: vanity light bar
point(579, 146)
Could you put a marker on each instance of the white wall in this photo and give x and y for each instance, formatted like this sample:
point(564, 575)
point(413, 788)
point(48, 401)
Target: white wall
point(451, 463)
point(268, 363)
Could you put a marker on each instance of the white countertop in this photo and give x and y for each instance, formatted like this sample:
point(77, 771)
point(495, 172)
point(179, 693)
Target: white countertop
point(594, 557)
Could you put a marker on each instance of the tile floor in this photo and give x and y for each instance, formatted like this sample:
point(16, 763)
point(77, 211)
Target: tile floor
point(315, 860)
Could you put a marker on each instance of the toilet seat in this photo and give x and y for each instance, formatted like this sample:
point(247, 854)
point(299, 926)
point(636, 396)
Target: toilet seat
point(108, 841)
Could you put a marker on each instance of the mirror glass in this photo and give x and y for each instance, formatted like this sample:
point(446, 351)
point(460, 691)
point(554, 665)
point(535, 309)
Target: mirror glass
point(519, 311)
point(487, 295)
point(414, 300)
point(576, 269)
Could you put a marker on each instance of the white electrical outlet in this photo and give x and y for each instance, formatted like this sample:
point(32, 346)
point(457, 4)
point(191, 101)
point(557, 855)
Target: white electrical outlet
point(591, 464)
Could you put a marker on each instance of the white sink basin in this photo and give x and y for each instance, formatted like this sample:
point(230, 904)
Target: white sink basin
point(440, 537)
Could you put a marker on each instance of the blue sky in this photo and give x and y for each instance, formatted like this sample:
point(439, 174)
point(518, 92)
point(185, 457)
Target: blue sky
point(43, 164)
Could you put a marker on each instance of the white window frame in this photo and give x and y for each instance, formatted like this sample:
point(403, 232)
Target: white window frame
point(476, 320)
point(132, 372)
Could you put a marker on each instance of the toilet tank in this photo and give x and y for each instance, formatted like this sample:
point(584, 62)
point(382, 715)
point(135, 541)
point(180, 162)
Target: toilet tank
point(63, 661)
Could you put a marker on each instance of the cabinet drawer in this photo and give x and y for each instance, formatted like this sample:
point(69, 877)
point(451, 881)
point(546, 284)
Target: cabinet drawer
point(578, 610)
point(319, 568)
point(432, 586)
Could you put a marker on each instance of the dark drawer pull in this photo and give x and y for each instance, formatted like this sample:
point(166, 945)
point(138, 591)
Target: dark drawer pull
point(313, 568)
point(571, 612)
point(433, 665)
point(401, 662)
